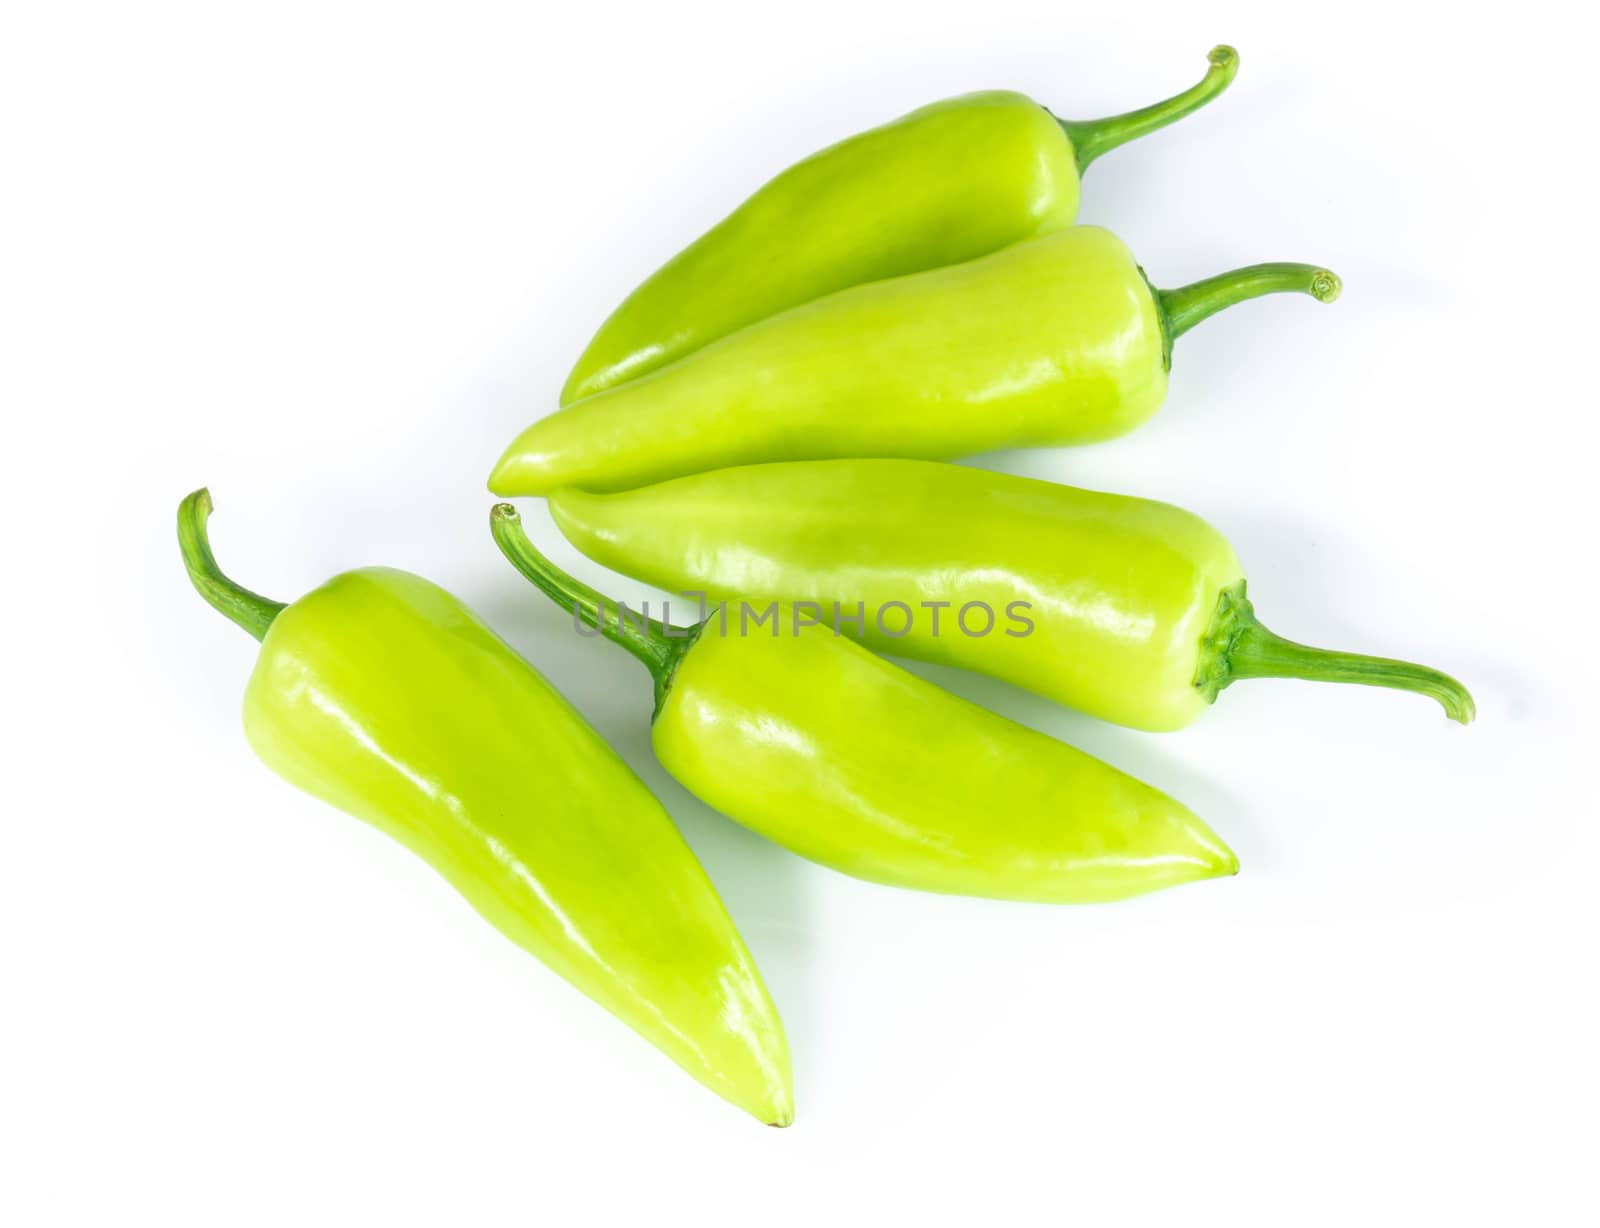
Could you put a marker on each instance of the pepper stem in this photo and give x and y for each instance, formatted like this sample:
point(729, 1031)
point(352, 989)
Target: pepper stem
point(1183, 308)
point(1093, 137)
point(653, 642)
point(1238, 646)
point(250, 610)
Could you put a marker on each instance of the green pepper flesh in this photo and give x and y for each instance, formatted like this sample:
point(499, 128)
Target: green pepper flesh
point(942, 185)
point(383, 695)
point(847, 759)
point(1136, 609)
point(1057, 341)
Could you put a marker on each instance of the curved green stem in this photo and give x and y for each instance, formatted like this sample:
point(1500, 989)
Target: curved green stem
point(1093, 137)
point(650, 640)
point(1183, 308)
point(250, 610)
point(1237, 646)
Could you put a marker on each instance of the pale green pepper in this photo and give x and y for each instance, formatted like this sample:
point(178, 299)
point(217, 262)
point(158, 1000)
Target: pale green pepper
point(1128, 609)
point(1057, 341)
point(950, 182)
point(835, 753)
point(383, 695)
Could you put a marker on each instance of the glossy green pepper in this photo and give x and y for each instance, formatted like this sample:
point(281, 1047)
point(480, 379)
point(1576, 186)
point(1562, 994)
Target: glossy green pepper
point(1060, 340)
point(1128, 609)
point(383, 695)
point(945, 184)
point(842, 757)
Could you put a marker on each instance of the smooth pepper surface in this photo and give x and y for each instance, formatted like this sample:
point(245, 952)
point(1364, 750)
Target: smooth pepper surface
point(1129, 609)
point(842, 757)
point(1057, 341)
point(385, 696)
point(944, 184)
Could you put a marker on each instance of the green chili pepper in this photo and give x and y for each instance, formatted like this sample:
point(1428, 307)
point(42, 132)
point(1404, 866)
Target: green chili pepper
point(1056, 341)
point(830, 751)
point(1128, 609)
point(382, 694)
point(953, 181)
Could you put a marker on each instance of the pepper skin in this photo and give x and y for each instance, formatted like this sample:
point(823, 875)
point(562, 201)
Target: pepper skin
point(948, 183)
point(1057, 341)
point(1137, 609)
point(846, 759)
point(383, 695)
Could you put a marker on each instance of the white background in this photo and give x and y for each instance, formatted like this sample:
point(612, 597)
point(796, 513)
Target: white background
point(329, 258)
